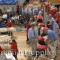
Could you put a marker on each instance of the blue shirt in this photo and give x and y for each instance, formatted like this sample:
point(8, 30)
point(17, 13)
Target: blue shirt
point(31, 33)
point(52, 35)
point(50, 19)
point(55, 27)
point(2, 25)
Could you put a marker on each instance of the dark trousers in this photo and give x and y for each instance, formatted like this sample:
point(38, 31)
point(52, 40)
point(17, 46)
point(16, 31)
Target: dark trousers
point(5, 20)
point(39, 31)
point(17, 12)
point(27, 39)
point(15, 55)
point(39, 52)
point(10, 33)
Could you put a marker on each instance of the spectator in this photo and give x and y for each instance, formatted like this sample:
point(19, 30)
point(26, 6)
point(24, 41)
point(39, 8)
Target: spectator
point(13, 19)
point(40, 25)
point(1, 49)
point(41, 46)
point(50, 18)
point(8, 13)
point(16, 19)
point(33, 35)
point(21, 20)
point(3, 25)
point(4, 17)
point(1, 20)
point(8, 10)
point(9, 24)
point(49, 25)
point(53, 39)
point(55, 27)
point(28, 27)
point(14, 48)
point(17, 9)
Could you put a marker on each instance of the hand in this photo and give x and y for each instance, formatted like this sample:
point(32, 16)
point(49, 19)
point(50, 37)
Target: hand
point(49, 41)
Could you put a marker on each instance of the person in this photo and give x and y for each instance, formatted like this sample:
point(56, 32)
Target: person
point(28, 27)
point(16, 19)
point(39, 19)
point(2, 25)
point(55, 26)
point(43, 31)
point(4, 17)
point(17, 9)
point(14, 48)
point(49, 25)
point(50, 18)
point(33, 35)
point(13, 19)
point(40, 25)
point(21, 22)
point(53, 39)
point(27, 17)
point(8, 12)
point(1, 49)
point(9, 24)
point(41, 47)
point(1, 20)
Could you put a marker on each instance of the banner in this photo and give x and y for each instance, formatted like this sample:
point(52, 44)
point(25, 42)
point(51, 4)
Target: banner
point(8, 1)
point(42, 0)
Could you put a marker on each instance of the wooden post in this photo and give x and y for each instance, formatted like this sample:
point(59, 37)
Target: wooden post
point(44, 14)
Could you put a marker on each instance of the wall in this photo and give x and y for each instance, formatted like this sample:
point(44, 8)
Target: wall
point(54, 1)
point(10, 6)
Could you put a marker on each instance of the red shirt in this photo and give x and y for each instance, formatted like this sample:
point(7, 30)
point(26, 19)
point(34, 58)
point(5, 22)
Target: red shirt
point(53, 11)
point(41, 38)
point(9, 24)
point(42, 47)
point(1, 49)
point(14, 47)
point(17, 7)
point(28, 27)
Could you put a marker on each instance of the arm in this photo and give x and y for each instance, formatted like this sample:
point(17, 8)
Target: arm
point(29, 34)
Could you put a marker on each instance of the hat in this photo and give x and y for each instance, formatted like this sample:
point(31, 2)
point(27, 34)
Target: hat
point(41, 38)
point(39, 17)
point(41, 24)
point(45, 28)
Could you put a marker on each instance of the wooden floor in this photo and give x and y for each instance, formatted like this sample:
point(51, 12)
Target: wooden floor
point(22, 46)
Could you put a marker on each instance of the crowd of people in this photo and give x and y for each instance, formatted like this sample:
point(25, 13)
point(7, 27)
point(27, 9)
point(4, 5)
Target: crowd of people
point(41, 36)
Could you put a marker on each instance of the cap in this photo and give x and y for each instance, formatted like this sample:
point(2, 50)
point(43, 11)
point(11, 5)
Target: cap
point(45, 28)
point(42, 24)
point(39, 17)
point(41, 38)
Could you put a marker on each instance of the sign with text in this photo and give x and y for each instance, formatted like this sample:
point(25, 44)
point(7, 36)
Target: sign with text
point(8, 1)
